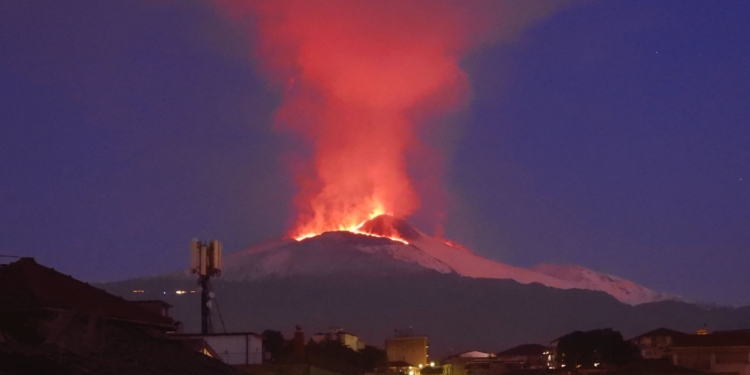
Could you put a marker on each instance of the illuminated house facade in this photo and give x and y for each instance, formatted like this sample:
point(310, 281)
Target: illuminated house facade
point(655, 344)
point(522, 357)
point(725, 352)
point(469, 362)
point(406, 350)
point(338, 334)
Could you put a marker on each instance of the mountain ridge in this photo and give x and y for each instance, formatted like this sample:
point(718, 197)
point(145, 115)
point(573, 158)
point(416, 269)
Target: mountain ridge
point(340, 250)
point(457, 313)
point(371, 285)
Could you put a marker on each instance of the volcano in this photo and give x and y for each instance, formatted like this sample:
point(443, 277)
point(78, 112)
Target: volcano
point(386, 245)
point(386, 274)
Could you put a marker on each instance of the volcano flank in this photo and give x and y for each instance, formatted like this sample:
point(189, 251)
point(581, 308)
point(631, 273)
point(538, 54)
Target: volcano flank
point(386, 245)
point(389, 226)
point(371, 284)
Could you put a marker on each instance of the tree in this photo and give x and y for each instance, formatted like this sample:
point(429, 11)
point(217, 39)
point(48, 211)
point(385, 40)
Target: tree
point(603, 346)
point(372, 358)
point(274, 344)
point(334, 355)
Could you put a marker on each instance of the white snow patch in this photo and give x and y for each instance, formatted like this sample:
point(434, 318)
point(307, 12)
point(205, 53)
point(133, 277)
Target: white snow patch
point(288, 257)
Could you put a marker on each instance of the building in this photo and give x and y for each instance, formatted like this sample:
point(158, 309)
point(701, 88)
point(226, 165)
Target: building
point(157, 307)
point(522, 357)
point(652, 367)
point(436, 369)
point(51, 323)
point(241, 348)
point(338, 334)
point(407, 349)
point(492, 367)
point(38, 303)
point(725, 352)
point(655, 344)
point(551, 355)
point(528, 356)
point(469, 362)
point(198, 345)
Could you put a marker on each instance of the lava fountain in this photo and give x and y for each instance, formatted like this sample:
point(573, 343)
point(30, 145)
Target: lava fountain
point(364, 228)
point(358, 78)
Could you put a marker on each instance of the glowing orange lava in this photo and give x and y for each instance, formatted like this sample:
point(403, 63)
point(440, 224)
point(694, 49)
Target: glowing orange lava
point(455, 245)
point(354, 229)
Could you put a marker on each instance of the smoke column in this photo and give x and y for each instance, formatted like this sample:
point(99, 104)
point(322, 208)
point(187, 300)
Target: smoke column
point(355, 74)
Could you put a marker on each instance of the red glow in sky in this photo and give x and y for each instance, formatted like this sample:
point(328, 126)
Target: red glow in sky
point(353, 75)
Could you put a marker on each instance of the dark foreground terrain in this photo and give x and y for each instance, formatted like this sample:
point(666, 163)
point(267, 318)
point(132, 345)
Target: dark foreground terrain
point(457, 313)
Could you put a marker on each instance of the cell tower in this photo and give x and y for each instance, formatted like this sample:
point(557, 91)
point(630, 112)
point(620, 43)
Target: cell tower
point(206, 262)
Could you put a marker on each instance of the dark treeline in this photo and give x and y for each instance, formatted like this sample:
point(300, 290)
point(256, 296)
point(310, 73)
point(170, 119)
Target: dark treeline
point(329, 354)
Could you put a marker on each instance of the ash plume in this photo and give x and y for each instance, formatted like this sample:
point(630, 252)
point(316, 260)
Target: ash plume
point(358, 79)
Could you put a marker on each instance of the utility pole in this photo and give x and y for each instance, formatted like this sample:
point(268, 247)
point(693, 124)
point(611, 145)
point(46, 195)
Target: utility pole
point(206, 262)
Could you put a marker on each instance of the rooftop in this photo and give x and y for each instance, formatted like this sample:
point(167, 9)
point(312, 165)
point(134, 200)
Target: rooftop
point(472, 354)
point(126, 351)
point(527, 349)
point(28, 286)
point(653, 367)
point(660, 332)
point(181, 335)
point(716, 339)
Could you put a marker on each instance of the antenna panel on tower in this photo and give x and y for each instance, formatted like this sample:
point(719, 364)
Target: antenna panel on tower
point(203, 260)
point(195, 256)
point(216, 255)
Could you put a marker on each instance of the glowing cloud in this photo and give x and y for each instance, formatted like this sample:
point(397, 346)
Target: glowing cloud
point(353, 75)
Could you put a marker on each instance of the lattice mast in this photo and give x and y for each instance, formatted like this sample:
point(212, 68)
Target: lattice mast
point(206, 262)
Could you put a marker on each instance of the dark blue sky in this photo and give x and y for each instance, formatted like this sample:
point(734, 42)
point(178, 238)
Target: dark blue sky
point(613, 135)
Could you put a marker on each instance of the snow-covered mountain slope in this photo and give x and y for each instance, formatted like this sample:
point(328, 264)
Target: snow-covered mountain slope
point(332, 252)
point(345, 252)
point(584, 278)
